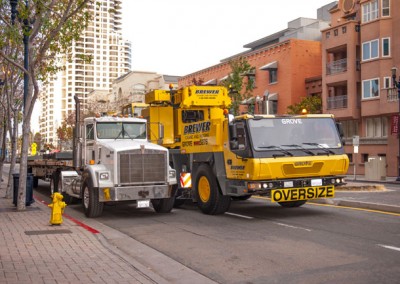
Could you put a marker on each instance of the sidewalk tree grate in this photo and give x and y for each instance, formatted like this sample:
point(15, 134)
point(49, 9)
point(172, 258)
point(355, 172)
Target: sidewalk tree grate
point(47, 232)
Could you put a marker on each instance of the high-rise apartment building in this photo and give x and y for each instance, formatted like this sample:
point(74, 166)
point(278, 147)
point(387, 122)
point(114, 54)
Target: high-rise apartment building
point(111, 58)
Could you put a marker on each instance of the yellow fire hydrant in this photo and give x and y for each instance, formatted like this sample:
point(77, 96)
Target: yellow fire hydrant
point(57, 208)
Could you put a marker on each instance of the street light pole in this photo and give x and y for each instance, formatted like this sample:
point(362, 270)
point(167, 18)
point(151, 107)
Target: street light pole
point(396, 85)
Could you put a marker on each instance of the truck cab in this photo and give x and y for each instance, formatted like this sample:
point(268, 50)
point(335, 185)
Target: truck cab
point(118, 163)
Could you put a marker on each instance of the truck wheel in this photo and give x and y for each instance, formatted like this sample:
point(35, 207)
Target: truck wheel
point(209, 199)
point(90, 201)
point(292, 204)
point(164, 205)
point(55, 177)
point(69, 199)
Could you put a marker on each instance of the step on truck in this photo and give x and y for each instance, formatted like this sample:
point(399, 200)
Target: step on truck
point(220, 158)
point(112, 161)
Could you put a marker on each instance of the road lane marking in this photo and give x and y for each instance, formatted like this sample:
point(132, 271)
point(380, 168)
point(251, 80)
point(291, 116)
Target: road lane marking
point(238, 215)
point(292, 227)
point(339, 206)
point(389, 247)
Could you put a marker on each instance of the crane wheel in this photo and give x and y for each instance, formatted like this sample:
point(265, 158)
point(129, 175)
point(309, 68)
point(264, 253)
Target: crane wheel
point(209, 198)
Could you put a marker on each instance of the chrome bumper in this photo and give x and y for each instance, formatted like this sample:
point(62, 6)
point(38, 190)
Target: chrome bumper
point(134, 193)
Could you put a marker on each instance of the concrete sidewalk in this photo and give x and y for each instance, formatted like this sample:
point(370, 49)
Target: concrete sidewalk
point(33, 251)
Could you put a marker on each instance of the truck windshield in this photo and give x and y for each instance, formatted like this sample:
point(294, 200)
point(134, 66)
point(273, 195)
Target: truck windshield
point(121, 130)
point(292, 133)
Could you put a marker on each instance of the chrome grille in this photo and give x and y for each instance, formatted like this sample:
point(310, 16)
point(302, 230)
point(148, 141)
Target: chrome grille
point(142, 166)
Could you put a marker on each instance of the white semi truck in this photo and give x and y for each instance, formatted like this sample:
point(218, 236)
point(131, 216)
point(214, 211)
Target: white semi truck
point(111, 161)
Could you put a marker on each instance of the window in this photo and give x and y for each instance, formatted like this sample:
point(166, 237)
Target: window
point(387, 82)
point(370, 49)
point(252, 81)
point(385, 8)
point(370, 88)
point(273, 75)
point(386, 47)
point(370, 11)
point(350, 155)
point(350, 128)
point(376, 127)
point(89, 131)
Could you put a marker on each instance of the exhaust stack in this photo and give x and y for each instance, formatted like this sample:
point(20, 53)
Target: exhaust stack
point(77, 145)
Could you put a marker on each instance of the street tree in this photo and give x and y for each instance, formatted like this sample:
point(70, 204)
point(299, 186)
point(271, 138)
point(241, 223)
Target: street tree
point(11, 105)
point(239, 83)
point(312, 104)
point(46, 28)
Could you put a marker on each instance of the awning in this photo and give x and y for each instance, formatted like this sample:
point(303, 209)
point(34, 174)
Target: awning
point(223, 78)
point(210, 82)
point(272, 97)
point(271, 65)
point(251, 100)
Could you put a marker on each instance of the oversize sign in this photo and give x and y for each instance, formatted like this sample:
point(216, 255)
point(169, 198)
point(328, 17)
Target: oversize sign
point(293, 194)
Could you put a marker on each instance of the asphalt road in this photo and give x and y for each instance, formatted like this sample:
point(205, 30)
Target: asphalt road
point(260, 242)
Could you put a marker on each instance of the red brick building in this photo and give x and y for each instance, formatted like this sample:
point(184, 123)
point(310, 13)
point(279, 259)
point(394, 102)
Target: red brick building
point(359, 51)
point(283, 64)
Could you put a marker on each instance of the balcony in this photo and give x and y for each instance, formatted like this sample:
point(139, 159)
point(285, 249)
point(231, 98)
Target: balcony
point(337, 66)
point(392, 95)
point(336, 102)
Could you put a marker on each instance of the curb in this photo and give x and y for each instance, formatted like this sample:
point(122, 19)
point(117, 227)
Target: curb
point(360, 205)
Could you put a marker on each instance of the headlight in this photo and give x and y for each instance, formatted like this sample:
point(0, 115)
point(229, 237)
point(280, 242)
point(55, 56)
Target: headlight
point(253, 185)
point(104, 176)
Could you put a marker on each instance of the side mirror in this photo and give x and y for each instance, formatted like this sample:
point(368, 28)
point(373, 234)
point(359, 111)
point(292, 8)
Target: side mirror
point(339, 127)
point(232, 131)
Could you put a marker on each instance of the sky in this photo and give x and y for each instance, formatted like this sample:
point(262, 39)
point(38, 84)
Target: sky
point(179, 37)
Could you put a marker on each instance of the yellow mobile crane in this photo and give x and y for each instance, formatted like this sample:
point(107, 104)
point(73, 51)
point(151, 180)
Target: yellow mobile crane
point(290, 159)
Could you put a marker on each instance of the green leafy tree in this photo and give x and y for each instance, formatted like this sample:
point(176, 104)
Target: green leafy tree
point(64, 134)
point(239, 87)
point(49, 27)
point(312, 104)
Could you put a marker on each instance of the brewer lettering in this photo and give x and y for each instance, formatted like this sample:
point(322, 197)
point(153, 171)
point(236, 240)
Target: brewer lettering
point(197, 127)
point(212, 92)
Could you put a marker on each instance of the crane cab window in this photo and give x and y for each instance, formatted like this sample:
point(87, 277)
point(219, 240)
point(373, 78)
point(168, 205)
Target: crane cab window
point(189, 116)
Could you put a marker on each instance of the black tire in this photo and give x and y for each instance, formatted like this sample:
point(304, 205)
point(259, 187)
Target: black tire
point(292, 204)
point(69, 199)
point(55, 178)
point(243, 197)
point(163, 205)
point(208, 196)
point(90, 200)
